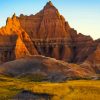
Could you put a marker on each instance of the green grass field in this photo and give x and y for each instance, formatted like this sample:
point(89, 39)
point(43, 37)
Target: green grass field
point(69, 90)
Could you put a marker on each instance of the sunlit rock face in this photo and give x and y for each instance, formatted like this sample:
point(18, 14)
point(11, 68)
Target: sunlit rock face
point(14, 41)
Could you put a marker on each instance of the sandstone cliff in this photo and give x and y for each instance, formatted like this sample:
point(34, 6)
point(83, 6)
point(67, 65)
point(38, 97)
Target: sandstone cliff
point(49, 28)
point(12, 37)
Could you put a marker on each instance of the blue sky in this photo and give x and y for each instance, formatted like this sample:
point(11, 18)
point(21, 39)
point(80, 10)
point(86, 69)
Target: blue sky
point(83, 15)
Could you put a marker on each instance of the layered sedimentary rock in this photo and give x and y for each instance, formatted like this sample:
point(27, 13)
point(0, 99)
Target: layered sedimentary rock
point(45, 33)
point(49, 29)
point(83, 46)
point(46, 24)
point(53, 37)
point(94, 59)
point(14, 41)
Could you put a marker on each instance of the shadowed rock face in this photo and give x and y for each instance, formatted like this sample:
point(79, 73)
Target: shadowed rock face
point(94, 59)
point(27, 95)
point(83, 46)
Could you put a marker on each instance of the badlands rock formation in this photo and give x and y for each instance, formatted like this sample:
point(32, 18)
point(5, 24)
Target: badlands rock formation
point(14, 41)
point(47, 33)
point(53, 37)
point(48, 28)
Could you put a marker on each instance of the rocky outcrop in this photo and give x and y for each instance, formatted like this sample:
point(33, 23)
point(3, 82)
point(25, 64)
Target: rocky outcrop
point(47, 33)
point(27, 95)
point(7, 44)
point(83, 46)
point(39, 68)
point(46, 24)
point(14, 41)
point(94, 60)
point(53, 37)
point(20, 50)
point(49, 28)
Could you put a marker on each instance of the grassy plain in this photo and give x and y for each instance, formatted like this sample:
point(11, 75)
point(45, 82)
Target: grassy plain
point(69, 90)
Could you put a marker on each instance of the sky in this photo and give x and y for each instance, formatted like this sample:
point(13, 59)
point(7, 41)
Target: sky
point(82, 15)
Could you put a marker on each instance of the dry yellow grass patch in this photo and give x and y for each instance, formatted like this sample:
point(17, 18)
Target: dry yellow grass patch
point(71, 90)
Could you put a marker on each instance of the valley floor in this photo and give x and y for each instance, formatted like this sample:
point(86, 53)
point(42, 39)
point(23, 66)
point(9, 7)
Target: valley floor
point(69, 90)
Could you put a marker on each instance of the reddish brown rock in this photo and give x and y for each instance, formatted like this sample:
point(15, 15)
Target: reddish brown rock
point(20, 49)
point(83, 46)
point(45, 33)
point(94, 59)
point(48, 23)
point(48, 69)
point(49, 26)
point(14, 39)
